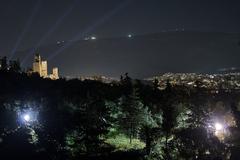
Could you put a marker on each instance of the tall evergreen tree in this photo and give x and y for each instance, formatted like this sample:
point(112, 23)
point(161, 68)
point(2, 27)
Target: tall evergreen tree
point(169, 117)
point(132, 114)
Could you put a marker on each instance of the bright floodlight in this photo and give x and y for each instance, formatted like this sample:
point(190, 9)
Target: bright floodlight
point(26, 117)
point(218, 126)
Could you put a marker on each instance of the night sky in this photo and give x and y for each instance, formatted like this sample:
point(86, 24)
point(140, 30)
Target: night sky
point(32, 23)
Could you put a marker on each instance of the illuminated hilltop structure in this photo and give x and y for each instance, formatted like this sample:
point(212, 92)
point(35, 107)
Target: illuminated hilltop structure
point(40, 67)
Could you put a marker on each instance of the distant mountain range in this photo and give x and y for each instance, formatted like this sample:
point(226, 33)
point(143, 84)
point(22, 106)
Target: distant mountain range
point(144, 55)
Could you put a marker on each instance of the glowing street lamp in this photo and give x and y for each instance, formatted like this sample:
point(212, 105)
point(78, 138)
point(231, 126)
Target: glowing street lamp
point(220, 131)
point(26, 117)
point(218, 126)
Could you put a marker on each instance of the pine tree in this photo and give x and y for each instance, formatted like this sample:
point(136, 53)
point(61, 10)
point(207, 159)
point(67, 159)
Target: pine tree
point(169, 117)
point(132, 114)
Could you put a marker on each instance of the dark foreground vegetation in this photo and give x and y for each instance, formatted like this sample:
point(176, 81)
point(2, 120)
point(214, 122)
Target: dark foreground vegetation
point(73, 119)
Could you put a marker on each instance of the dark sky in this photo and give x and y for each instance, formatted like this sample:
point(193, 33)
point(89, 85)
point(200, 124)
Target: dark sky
point(28, 23)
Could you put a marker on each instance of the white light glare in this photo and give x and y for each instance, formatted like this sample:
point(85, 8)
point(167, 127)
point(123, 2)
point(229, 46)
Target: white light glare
point(26, 117)
point(218, 126)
